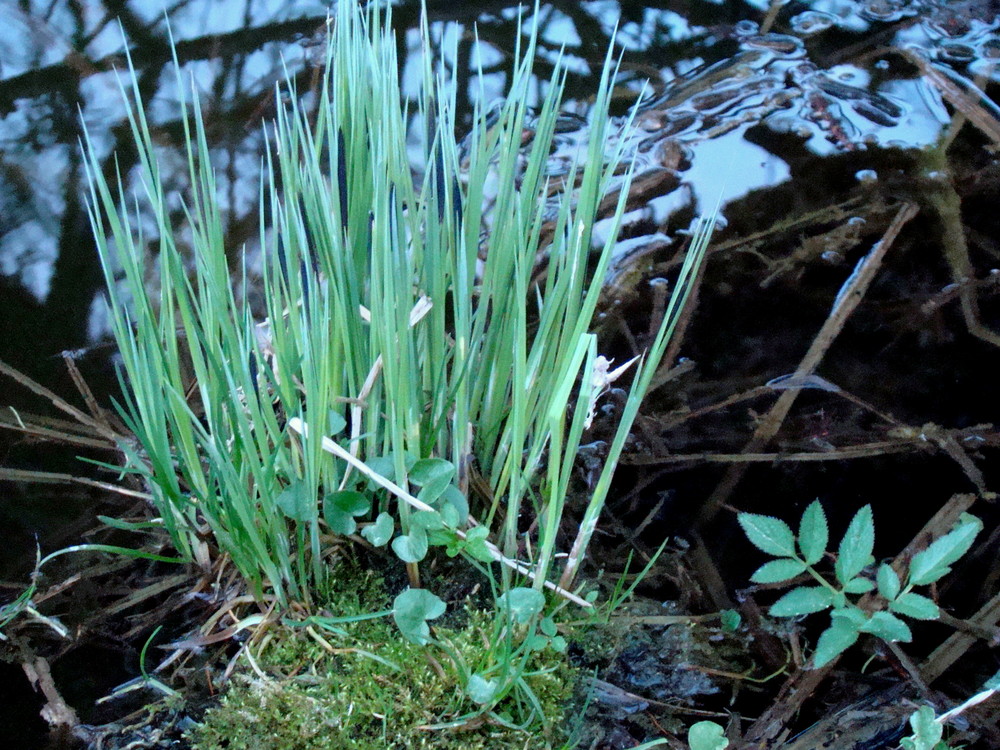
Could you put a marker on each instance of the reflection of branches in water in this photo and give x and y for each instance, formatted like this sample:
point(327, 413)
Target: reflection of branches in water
point(155, 53)
point(43, 104)
point(237, 92)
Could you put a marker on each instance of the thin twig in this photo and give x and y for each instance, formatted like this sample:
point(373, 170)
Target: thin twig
point(851, 294)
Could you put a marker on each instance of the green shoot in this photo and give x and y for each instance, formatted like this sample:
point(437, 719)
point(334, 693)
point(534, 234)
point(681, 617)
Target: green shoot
point(894, 596)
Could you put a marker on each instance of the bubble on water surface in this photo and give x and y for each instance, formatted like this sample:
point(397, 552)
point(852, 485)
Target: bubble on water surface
point(812, 22)
point(886, 11)
point(956, 53)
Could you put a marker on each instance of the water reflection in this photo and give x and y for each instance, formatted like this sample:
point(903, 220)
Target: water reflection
point(60, 64)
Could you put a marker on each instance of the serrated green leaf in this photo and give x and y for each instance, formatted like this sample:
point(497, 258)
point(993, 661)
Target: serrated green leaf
point(412, 609)
point(412, 547)
point(522, 603)
point(888, 627)
point(707, 735)
point(380, 532)
point(768, 534)
point(888, 582)
point(856, 547)
point(296, 502)
point(803, 600)
point(778, 570)
point(856, 617)
point(916, 606)
point(833, 641)
point(858, 586)
point(814, 533)
point(340, 509)
point(934, 562)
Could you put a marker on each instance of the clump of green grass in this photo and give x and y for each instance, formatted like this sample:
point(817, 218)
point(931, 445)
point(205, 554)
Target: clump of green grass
point(396, 353)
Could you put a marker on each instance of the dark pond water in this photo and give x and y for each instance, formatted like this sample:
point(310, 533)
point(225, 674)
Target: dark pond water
point(788, 116)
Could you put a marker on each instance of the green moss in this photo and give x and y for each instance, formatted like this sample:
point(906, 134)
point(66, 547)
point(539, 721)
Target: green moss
point(377, 690)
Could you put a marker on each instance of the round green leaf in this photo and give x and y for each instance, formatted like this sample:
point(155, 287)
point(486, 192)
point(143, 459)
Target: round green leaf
point(340, 508)
point(450, 515)
point(523, 603)
point(428, 520)
point(412, 547)
point(452, 500)
point(433, 476)
point(927, 732)
point(475, 544)
point(412, 609)
point(428, 469)
point(384, 467)
point(380, 532)
point(296, 502)
point(730, 620)
point(335, 422)
point(481, 690)
point(707, 735)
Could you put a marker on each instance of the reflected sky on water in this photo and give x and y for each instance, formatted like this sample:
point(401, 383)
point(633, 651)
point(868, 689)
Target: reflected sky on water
point(61, 62)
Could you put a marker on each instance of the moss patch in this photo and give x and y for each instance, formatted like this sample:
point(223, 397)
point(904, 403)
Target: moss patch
point(372, 688)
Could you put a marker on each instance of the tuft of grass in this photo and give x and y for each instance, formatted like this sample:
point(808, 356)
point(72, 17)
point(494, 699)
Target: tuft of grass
point(407, 383)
